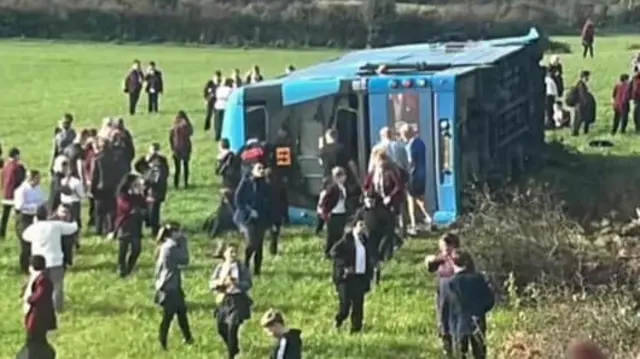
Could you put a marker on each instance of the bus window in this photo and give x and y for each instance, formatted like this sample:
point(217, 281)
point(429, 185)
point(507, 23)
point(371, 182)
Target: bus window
point(404, 108)
point(256, 123)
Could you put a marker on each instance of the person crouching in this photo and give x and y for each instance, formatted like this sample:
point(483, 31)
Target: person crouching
point(289, 343)
point(130, 214)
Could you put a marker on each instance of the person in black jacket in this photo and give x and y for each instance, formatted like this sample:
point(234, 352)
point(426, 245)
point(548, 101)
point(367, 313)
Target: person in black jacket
point(133, 85)
point(105, 178)
point(467, 300)
point(353, 269)
point(228, 165)
point(154, 87)
point(380, 222)
point(210, 97)
point(154, 169)
point(289, 341)
point(130, 214)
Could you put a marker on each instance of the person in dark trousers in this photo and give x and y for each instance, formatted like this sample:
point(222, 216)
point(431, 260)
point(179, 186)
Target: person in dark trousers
point(209, 95)
point(133, 85)
point(130, 214)
point(106, 175)
point(154, 86)
point(253, 214)
point(40, 315)
point(353, 269)
point(28, 198)
point(584, 104)
point(122, 142)
point(89, 163)
point(222, 219)
point(588, 37)
point(63, 136)
point(231, 282)
point(254, 76)
point(180, 143)
point(227, 165)
point(154, 169)
point(288, 341)
point(620, 97)
point(635, 96)
point(442, 265)
point(173, 254)
point(467, 299)
point(237, 79)
point(555, 69)
point(278, 208)
point(13, 174)
point(282, 164)
point(223, 92)
point(333, 208)
point(380, 222)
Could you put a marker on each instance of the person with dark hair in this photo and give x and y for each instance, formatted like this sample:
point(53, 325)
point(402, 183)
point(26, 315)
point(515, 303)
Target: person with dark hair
point(353, 270)
point(63, 136)
point(467, 300)
point(282, 166)
point(620, 97)
point(279, 208)
point(253, 213)
point(332, 208)
point(380, 222)
point(289, 341)
point(210, 97)
point(89, 150)
point(289, 69)
point(154, 169)
point(122, 144)
point(254, 76)
point(223, 92)
point(71, 195)
point(28, 197)
point(13, 174)
point(335, 154)
point(46, 239)
point(40, 316)
point(154, 86)
point(236, 78)
point(180, 143)
point(228, 165)
point(173, 253)
point(555, 69)
point(133, 85)
point(588, 37)
point(231, 281)
point(442, 265)
point(130, 214)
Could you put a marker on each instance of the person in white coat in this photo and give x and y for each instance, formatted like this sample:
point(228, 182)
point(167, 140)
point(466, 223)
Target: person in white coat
point(222, 96)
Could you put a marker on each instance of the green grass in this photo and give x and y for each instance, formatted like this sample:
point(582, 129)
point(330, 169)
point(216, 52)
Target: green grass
point(111, 318)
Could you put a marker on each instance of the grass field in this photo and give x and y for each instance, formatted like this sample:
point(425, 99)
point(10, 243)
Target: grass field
point(111, 318)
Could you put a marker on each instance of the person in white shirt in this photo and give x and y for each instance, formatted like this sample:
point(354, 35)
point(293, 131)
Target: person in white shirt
point(352, 274)
point(552, 95)
point(222, 95)
point(27, 198)
point(72, 194)
point(288, 341)
point(45, 238)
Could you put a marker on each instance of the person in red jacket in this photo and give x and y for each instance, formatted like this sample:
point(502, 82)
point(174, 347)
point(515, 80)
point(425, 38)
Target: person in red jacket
point(13, 174)
point(588, 37)
point(620, 97)
point(40, 315)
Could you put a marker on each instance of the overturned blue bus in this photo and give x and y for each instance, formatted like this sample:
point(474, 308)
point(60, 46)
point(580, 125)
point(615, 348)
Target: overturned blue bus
point(479, 107)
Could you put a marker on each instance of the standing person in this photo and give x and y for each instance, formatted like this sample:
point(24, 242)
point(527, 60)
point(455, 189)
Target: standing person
point(180, 143)
point(289, 69)
point(13, 174)
point(620, 97)
point(231, 281)
point(236, 78)
point(222, 96)
point(380, 223)
point(71, 196)
point(385, 180)
point(395, 150)
point(122, 141)
point(588, 37)
point(333, 208)
point(210, 97)
point(252, 214)
point(64, 135)
point(102, 187)
point(254, 76)
point(467, 298)
point(154, 86)
point(555, 68)
point(76, 154)
point(635, 96)
point(417, 151)
point(173, 253)
point(551, 96)
point(584, 103)
point(282, 164)
point(353, 270)
point(278, 208)
point(45, 238)
point(335, 154)
point(90, 155)
point(154, 169)
point(60, 166)
point(288, 341)
point(130, 214)
point(27, 198)
point(133, 85)
point(442, 265)
point(40, 315)
point(228, 165)
point(107, 128)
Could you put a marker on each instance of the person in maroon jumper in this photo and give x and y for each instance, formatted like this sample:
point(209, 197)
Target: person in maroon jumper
point(130, 214)
point(13, 174)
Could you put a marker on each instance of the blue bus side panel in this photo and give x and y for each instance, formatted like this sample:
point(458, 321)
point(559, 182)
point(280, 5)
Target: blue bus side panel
point(446, 188)
point(302, 91)
point(233, 124)
point(426, 133)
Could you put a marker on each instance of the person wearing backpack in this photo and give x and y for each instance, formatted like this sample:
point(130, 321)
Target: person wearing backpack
point(180, 143)
point(154, 169)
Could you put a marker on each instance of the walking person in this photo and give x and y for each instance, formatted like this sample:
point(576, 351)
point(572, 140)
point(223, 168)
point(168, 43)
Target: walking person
point(333, 208)
point(45, 238)
point(173, 254)
point(133, 85)
point(620, 97)
point(588, 37)
point(13, 174)
point(288, 341)
point(180, 143)
point(353, 270)
point(131, 206)
point(40, 316)
point(154, 169)
point(231, 281)
point(222, 96)
point(253, 214)
point(154, 87)
point(210, 97)
point(27, 198)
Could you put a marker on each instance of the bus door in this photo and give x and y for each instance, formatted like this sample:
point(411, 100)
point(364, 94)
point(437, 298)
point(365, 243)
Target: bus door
point(398, 100)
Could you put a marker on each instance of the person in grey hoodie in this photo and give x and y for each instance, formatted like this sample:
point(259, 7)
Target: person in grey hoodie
point(172, 254)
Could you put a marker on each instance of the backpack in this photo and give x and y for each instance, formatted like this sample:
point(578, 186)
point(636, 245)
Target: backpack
point(572, 97)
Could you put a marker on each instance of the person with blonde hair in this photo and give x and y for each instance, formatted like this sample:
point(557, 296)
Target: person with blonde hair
point(289, 342)
point(107, 129)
